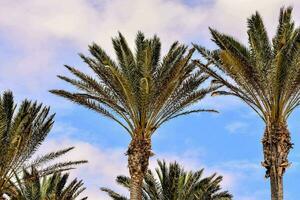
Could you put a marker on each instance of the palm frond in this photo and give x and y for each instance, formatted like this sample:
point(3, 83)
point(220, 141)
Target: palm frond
point(173, 182)
point(139, 88)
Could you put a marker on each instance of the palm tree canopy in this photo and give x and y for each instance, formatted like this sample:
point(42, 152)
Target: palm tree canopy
point(139, 90)
point(266, 75)
point(172, 182)
point(21, 133)
point(22, 130)
point(35, 186)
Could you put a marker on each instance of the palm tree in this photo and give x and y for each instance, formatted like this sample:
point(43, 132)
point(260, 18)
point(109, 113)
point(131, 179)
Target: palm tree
point(139, 91)
point(35, 186)
point(21, 133)
point(174, 183)
point(266, 76)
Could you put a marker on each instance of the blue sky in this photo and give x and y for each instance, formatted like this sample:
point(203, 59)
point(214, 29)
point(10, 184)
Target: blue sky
point(38, 37)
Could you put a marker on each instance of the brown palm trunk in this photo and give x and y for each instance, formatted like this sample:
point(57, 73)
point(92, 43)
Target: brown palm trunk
point(276, 145)
point(139, 152)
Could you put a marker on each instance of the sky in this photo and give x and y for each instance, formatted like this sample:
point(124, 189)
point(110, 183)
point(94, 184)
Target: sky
point(38, 37)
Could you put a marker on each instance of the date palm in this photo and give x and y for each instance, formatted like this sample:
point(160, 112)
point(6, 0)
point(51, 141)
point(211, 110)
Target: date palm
point(35, 186)
point(22, 130)
point(21, 133)
point(172, 182)
point(266, 76)
point(139, 91)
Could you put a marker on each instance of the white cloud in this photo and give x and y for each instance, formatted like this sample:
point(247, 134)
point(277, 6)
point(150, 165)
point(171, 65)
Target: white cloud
point(44, 35)
point(83, 21)
point(41, 34)
point(105, 164)
point(221, 103)
point(39, 31)
point(237, 127)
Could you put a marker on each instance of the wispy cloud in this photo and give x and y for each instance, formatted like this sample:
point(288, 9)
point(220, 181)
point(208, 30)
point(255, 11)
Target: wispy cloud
point(106, 163)
point(237, 127)
point(43, 34)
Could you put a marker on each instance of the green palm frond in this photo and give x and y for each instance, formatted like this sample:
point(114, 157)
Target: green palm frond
point(140, 90)
point(113, 194)
point(173, 182)
point(32, 185)
point(265, 75)
point(49, 157)
point(22, 130)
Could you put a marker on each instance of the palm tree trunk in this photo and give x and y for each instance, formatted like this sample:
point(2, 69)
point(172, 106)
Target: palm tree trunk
point(276, 145)
point(139, 152)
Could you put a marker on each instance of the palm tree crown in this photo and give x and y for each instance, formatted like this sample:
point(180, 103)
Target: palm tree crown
point(22, 130)
point(139, 91)
point(34, 185)
point(265, 75)
point(173, 182)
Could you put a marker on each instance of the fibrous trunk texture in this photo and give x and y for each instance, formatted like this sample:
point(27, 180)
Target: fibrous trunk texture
point(139, 152)
point(276, 145)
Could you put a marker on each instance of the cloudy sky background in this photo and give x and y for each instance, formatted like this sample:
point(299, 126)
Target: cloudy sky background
point(38, 37)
